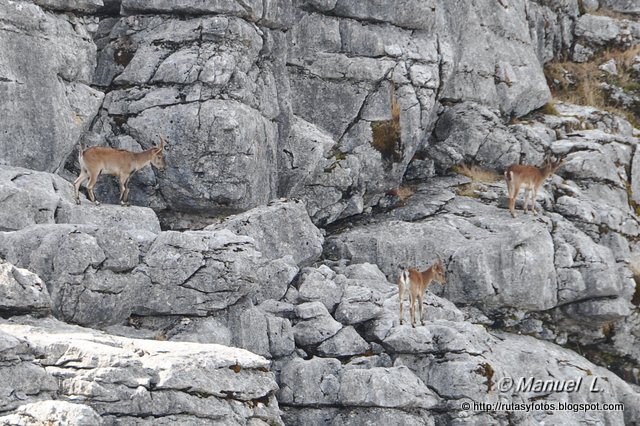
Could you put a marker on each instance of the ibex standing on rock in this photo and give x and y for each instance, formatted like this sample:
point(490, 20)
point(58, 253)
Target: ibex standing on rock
point(116, 162)
point(417, 282)
point(531, 177)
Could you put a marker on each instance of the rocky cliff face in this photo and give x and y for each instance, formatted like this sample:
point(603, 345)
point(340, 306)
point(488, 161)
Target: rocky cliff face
point(315, 149)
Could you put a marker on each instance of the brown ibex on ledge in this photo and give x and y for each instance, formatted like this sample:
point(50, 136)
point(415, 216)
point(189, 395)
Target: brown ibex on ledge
point(116, 162)
point(417, 282)
point(531, 177)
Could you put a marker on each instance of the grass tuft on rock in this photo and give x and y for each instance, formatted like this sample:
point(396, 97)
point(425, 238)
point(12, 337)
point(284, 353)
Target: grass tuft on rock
point(476, 173)
point(582, 83)
point(386, 134)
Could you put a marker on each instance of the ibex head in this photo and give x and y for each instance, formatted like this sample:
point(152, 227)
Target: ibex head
point(552, 164)
point(158, 155)
point(438, 271)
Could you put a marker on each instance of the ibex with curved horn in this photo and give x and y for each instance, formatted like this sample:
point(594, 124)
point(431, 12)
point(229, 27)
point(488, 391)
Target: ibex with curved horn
point(417, 282)
point(531, 177)
point(116, 162)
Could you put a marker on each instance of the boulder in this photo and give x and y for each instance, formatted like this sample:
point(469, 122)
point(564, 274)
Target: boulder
point(30, 197)
point(102, 276)
point(46, 72)
point(321, 284)
point(53, 412)
point(134, 379)
point(472, 134)
point(22, 291)
point(622, 6)
point(282, 228)
point(316, 324)
point(82, 6)
point(347, 342)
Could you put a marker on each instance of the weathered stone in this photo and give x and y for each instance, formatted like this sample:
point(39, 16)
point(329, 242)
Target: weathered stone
point(596, 32)
point(110, 216)
point(53, 412)
point(492, 78)
point(320, 285)
point(623, 6)
point(71, 5)
point(22, 291)
point(139, 378)
point(470, 276)
point(471, 133)
point(191, 273)
point(317, 325)
point(358, 304)
point(30, 197)
point(281, 228)
point(250, 10)
point(46, 69)
point(347, 342)
point(312, 382)
point(386, 387)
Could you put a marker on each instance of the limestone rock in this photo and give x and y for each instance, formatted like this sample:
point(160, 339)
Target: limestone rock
point(30, 197)
point(21, 291)
point(623, 6)
point(316, 326)
point(83, 6)
point(137, 378)
point(53, 412)
point(45, 73)
point(101, 276)
point(281, 228)
point(347, 342)
point(319, 284)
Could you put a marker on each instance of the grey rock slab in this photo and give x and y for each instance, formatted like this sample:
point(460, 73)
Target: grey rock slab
point(635, 177)
point(251, 9)
point(474, 247)
point(622, 6)
point(83, 6)
point(386, 387)
point(347, 342)
point(412, 14)
point(358, 304)
point(469, 132)
point(320, 284)
point(594, 30)
point(585, 269)
point(116, 375)
point(310, 383)
point(48, 63)
point(29, 197)
point(110, 216)
point(22, 381)
point(196, 272)
point(279, 229)
point(317, 324)
point(53, 412)
point(22, 291)
point(101, 276)
point(509, 77)
point(218, 157)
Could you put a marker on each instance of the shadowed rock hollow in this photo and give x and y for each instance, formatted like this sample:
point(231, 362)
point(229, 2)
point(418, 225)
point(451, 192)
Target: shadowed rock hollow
point(314, 149)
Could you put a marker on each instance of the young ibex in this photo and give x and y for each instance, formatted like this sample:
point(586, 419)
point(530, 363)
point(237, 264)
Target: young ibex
point(116, 162)
point(417, 282)
point(531, 177)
